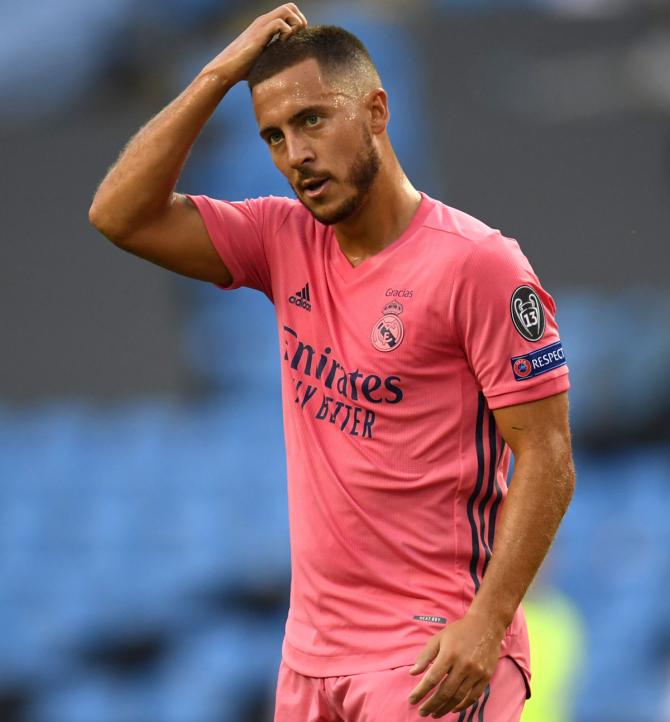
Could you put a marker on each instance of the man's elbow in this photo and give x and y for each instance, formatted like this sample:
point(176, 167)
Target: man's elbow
point(563, 467)
point(106, 224)
point(570, 482)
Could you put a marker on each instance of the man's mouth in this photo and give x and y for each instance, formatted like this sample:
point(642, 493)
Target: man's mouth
point(315, 187)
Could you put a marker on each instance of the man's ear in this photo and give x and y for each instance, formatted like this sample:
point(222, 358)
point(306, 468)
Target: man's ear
point(377, 103)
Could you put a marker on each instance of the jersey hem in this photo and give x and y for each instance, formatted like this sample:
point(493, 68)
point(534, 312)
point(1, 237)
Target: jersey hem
point(310, 665)
point(346, 665)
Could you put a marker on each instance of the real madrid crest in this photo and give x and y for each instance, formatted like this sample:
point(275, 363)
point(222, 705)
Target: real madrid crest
point(388, 331)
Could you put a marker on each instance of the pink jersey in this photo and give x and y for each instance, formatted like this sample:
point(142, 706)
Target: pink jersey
point(396, 470)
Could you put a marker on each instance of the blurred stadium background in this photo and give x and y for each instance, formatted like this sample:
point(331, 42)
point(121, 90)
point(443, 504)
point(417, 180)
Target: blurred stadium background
point(144, 564)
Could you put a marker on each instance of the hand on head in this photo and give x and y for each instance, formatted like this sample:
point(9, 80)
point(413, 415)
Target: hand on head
point(234, 63)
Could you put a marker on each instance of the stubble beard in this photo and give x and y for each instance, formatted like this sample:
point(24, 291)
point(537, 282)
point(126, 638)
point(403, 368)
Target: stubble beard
point(362, 175)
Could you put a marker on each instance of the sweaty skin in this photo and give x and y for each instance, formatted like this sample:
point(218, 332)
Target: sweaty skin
point(332, 119)
point(315, 128)
point(318, 128)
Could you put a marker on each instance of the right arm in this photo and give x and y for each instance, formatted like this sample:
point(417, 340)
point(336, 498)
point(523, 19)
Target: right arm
point(135, 205)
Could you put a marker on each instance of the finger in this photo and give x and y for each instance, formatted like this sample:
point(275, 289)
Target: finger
point(449, 693)
point(298, 12)
point(290, 14)
point(294, 20)
point(473, 695)
point(430, 680)
point(280, 30)
point(450, 705)
point(427, 655)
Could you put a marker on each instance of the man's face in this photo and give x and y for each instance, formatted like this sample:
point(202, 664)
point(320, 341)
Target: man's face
point(318, 139)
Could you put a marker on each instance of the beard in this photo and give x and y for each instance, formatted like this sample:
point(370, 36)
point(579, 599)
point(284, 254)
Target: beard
point(361, 176)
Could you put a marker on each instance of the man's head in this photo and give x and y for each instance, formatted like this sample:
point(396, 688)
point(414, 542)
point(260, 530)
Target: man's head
point(321, 110)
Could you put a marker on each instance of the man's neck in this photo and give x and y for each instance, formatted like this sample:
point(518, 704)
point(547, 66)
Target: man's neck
point(388, 211)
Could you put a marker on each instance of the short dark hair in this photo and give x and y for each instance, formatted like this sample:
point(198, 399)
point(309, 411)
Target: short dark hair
point(334, 48)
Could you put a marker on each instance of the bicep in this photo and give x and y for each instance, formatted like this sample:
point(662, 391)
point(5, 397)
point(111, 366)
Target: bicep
point(178, 240)
point(537, 426)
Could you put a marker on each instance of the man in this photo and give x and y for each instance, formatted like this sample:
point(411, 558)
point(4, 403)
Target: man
point(417, 348)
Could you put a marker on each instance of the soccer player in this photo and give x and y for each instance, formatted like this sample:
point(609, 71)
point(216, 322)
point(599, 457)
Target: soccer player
point(418, 351)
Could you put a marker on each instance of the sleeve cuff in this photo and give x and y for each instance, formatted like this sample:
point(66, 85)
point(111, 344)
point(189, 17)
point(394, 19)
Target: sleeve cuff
point(209, 218)
point(550, 387)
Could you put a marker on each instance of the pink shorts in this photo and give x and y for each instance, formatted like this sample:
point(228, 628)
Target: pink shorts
point(383, 697)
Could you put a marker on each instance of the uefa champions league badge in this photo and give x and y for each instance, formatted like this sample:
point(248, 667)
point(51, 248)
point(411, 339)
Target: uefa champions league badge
point(527, 313)
point(388, 331)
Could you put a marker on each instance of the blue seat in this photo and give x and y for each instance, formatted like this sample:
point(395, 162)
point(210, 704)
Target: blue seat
point(219, 673)
point(94, 697)
point(611, 558)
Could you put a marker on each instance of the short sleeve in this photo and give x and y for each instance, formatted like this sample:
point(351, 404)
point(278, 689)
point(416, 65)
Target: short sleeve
point(506, 324)
point(237, 230)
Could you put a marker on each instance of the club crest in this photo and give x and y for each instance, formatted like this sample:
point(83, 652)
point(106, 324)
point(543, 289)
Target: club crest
point(527, 313)
point(388, 331)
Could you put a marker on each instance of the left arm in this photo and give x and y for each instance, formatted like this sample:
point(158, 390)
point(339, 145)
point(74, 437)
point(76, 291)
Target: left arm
point(467, 650)
point(538, 497)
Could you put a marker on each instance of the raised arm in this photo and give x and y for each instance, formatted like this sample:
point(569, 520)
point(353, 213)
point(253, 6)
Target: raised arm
point(135, 206)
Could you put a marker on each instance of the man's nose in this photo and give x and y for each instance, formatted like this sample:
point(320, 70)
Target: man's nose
point(299, 151)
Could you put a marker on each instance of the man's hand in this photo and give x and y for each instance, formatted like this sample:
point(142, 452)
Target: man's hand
point(234, 63)
point(467, 651)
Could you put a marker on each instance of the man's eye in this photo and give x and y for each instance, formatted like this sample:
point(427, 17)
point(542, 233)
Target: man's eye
point(311, 119)
point(274, 138)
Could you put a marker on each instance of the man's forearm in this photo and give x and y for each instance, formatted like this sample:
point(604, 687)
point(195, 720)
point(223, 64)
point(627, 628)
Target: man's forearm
point(539, 494)
point(140, 184)
point(139, 187)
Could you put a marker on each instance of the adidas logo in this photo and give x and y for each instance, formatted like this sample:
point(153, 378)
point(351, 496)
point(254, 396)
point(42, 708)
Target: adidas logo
point(301, 298)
